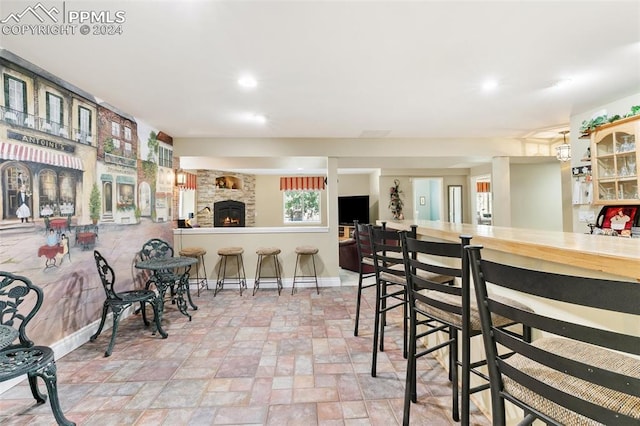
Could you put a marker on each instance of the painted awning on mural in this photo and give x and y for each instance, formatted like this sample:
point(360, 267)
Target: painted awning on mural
point(10, 151)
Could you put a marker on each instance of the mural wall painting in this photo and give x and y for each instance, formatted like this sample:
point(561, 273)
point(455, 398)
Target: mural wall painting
point(56, 144)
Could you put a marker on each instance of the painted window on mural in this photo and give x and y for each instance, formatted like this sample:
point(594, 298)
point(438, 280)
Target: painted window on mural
point(84, 125)
point(67, 193)
point(165, 157)
point(54, 114)
point(15, 95)
point(116, 143)
point(125, 197)
point(115, 129)
point(48, 193)
point(127, 133)
point(127, 147)
point(301, 206)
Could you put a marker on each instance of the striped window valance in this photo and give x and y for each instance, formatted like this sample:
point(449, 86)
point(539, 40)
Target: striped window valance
point(294, 183)
point(483, 187)
point(189, 180)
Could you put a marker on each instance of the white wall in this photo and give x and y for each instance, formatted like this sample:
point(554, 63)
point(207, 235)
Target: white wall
point(536, 196)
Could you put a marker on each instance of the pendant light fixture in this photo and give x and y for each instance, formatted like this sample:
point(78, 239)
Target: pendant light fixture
point(563, 151)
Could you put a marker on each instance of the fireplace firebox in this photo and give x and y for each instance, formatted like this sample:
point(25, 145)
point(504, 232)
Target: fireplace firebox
point(228, 213)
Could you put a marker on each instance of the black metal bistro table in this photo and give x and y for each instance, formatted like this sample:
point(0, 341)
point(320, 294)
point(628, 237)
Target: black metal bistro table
point(7, 335)
point(167, 265)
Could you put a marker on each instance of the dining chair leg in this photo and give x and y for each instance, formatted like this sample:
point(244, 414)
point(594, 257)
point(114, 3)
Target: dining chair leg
point(376, 328)
point(355, 329)
point(453, 349)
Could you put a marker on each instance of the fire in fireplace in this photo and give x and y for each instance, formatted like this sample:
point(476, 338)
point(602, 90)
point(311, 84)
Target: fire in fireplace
point(228, 213)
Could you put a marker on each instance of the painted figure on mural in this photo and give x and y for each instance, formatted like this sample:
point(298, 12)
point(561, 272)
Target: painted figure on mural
point(23, 211)
point(52, 238)
point(64, 243)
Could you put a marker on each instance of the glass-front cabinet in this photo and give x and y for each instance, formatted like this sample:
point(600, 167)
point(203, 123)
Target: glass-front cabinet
point(614, 162)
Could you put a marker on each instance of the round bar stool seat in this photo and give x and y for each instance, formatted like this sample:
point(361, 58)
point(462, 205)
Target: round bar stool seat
point(302, 251)
point(264, 253)
point(198, 253)
point(240, 277)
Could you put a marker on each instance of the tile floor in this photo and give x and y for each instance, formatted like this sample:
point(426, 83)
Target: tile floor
point(264, 359)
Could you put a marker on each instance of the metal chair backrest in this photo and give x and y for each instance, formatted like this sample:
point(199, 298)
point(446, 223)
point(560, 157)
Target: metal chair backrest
point(588, 368)
point(20, 300)
point(155, 248)
point(363, 243)
point(386, 248)
point(431, 259)
point(107, 275)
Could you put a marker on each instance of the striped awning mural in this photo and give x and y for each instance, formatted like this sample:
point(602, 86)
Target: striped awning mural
point(301, 183)
point(10, 151)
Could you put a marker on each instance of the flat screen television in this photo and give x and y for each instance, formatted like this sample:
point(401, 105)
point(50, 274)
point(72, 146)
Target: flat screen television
point(353, 207)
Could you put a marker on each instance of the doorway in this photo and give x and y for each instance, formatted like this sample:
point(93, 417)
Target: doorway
point(428, 198)
point(455, 203)
point(483, 200)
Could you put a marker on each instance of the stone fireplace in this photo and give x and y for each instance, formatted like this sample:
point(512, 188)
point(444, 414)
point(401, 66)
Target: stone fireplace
point(229, 213)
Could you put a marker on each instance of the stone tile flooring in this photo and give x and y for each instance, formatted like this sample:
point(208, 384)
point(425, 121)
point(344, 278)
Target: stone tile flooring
point(262, 360)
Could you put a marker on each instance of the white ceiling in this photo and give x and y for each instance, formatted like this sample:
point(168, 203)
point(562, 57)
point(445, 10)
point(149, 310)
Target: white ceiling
point(338, 69)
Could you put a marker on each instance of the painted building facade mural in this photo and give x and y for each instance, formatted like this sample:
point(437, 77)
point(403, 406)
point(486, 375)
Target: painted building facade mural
point(76, 174)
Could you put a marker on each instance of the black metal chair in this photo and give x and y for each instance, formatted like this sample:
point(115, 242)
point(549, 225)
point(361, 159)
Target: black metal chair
point(155, 248)
point(391, 285)
point(575, 373)
point(20, 301)
point(439, 286)
point(117, 302)
point(365, 265)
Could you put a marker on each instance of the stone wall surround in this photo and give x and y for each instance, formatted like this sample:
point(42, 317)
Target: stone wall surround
point(208, 193)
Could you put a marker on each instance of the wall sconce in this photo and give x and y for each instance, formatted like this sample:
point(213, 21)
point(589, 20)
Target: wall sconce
point(181, 178)
point(563, 151)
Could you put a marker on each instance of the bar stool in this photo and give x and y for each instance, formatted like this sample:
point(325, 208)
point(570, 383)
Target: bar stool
point(198, 253)
point(305, 251)
point(225, 253)
point(266, 252)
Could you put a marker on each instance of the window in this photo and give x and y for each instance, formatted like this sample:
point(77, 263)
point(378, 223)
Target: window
point(15, 94)
point(115, 129)
point(127, 133)
point(127, 147)
point(301, 206)
point(116, 143)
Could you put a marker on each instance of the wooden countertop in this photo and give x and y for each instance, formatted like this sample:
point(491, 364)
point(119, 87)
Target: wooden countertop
point(614, 255)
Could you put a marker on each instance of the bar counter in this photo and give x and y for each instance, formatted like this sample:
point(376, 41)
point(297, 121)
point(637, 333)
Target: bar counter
point(286, 238)
point(615, 257)
point(585, 255)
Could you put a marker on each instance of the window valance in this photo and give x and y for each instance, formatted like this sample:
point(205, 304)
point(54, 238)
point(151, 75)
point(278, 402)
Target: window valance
point(294, 183)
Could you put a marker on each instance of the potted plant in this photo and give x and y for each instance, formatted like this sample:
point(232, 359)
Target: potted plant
point(395, 202)
point(94, 204)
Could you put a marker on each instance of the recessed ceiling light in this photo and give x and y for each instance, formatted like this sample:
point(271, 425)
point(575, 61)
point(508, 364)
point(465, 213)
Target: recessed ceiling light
point(259, 118)
point(489, 85)
point(247, 81)
point(562, 83)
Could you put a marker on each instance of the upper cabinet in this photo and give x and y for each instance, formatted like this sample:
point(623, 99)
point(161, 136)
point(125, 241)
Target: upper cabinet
point(614, 158)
